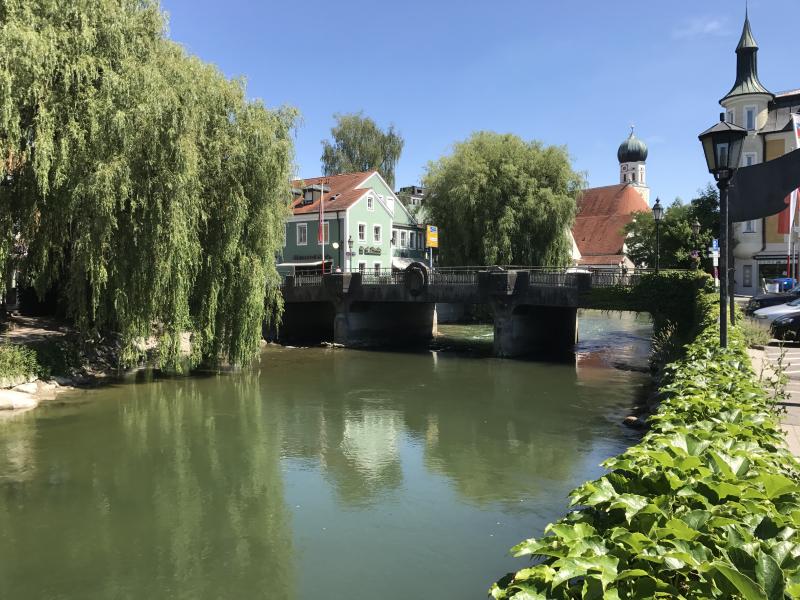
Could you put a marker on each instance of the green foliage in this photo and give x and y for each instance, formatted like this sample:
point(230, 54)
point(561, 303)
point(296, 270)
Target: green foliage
point(360, 145)
point(17, 361)
point(148, 189)
point(498, 199)
point(707, 505)
point(675, 232)
point(753, 333)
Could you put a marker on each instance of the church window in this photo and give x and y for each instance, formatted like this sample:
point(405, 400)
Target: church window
point(750, 117)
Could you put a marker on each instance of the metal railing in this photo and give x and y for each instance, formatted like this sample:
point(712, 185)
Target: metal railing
point(546, 276)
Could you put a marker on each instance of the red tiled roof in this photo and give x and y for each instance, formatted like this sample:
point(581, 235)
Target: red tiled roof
point(602, 214)
point(601, 259)
point(345, 185)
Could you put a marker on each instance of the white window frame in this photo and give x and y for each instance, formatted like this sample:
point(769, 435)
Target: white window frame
point(304, 228)
point(394, 237)
point(749, 227)
point(377, 234)
point(755, 117)
point(370, 203)
point(403, 238)
point(361, 240)
point(412, 239)
point(362, 266)
point(326, 232)
point(730, 117)
point(747, 155)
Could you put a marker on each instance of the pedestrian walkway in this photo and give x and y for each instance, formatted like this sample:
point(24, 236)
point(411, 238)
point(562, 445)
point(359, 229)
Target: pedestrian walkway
point(763, 360)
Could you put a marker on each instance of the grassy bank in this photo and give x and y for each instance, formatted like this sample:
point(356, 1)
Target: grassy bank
point(707, 505)
point(17, 361)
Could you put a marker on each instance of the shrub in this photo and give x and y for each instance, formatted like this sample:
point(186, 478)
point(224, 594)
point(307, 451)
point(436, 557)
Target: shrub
point(707, 505)
point(17, 361)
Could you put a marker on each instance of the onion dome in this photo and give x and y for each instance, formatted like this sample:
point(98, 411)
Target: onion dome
point(632, 150)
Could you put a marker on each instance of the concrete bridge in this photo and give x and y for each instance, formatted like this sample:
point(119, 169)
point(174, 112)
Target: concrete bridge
point(534, 309)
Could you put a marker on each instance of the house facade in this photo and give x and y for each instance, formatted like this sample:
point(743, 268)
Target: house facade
point(365, 226)
point(761, 247)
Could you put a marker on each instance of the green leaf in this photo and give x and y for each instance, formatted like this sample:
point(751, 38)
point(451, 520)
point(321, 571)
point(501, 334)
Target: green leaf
point(770, 577)
point(748, 588)
point(776, 485)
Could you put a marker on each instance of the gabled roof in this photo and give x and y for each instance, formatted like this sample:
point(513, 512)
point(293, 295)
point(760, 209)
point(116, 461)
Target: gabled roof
point(603, 212)
point(345, 185)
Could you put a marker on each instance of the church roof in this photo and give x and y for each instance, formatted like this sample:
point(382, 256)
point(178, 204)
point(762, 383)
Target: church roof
point(603, 212)
point(747, 81)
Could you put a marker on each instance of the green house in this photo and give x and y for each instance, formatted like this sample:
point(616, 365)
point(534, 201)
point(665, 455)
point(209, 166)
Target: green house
point(364, 226)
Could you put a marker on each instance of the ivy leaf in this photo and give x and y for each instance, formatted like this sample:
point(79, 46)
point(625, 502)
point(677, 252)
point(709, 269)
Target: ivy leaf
point(748, 588)
point(770, 577)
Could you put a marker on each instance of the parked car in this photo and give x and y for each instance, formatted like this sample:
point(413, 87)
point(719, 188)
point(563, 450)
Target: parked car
point(773, 299)
point(786, 327)
point(769, 314)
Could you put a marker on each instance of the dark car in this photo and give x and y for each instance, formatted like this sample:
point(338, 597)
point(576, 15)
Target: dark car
point(786, 327)
point(773, 299)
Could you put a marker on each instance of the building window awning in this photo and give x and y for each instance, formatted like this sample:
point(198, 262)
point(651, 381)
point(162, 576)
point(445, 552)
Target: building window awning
point(309, 263)
point(770, 259)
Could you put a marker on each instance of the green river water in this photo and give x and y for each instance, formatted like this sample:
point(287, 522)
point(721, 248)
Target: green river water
point(320, 473)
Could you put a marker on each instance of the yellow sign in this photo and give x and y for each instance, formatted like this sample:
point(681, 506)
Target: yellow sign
point(432, 236)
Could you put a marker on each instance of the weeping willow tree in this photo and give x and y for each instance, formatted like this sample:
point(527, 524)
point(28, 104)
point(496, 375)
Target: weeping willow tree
point(500, 200)
point(149, 191)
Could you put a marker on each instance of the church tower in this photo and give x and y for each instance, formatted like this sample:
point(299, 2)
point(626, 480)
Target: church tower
point(632, 155)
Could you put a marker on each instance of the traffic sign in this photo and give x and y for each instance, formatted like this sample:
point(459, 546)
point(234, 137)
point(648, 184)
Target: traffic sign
point(715, 244)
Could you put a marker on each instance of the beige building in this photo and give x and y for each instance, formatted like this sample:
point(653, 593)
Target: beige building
point(761, 248)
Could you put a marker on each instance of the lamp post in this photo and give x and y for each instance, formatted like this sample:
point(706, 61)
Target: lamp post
point(658, 216)
point(722, 145)
point(350, 254)
point(696, 251)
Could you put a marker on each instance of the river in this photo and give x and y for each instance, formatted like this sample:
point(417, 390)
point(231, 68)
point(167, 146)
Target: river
point(320, 473)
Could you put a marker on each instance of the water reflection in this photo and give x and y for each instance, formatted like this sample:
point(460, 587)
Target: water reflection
point(342, 464)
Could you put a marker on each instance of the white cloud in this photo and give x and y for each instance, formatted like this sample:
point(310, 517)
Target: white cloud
point(702, 26)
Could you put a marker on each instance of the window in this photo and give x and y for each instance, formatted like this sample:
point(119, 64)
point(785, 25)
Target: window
point(394, 237)
point(376, 234)
point(370, 203)
point(748, 158)
point(285, 229)
point(749, 227)
point(729, 118)
point(362, 267)
point(412, 239)
point(750, 117)
point(634, 177)
point(302, 234)
point(402, 239)
point(326, 232)
point(747, 275)
point(377, 267)
point(362, 232)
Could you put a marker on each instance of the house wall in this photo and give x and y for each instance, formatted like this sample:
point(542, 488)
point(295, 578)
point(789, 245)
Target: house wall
point(369, 251)
point(292, 251)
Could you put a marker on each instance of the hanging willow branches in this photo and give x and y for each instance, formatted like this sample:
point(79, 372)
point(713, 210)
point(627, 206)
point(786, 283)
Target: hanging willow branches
point(150, 192)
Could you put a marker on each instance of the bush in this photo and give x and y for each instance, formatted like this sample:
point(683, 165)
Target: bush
point(17, 361)
point(707, 505)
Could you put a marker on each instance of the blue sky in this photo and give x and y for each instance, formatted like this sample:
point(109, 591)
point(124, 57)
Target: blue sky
point(572, 73)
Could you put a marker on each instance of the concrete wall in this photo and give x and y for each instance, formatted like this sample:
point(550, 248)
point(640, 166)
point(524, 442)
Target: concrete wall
point(522, 330)
point(385, 324)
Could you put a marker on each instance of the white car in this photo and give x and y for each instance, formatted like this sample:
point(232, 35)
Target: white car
point(769, 314)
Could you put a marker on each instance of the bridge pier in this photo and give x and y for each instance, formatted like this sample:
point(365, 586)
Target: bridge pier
point(521, 329)
point(384, 324)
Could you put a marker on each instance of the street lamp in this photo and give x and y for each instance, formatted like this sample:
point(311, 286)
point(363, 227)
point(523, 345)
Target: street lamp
point(350, 254)
point(722, 145)
point(658, 216)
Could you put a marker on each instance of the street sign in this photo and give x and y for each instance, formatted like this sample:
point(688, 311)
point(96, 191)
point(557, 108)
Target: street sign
point(432, 236)
point(715, 244)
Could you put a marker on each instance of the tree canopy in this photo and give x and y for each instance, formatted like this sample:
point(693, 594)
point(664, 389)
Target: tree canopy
point(360, 145)
point(145, 185)
point(498, 199)
point(675, 232)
